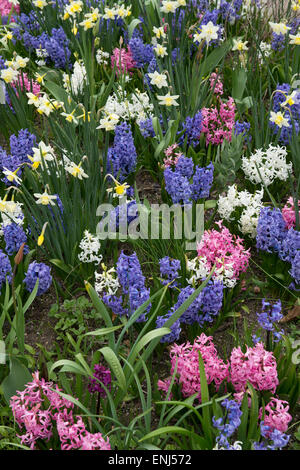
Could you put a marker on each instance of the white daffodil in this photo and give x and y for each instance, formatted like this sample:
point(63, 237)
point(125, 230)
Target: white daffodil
point(75, 170)
point(9, 75)
point(158, 79)
point(159, 32)
point(41, 153)
point(40, 3)
point(109, 122)
point(208, 32)
point(239, 45)
point(20, 62)
point(290, 99)
point(45, 199)
point(168, 100)
point(119, 189)
point(279, 119)
point(12, 175)
point(169, 6)
point(87, 24)
point(109, 13)
point(295, 39)
point(160, 50)
point(279, 28)
point(44, 105)
point(70, 117)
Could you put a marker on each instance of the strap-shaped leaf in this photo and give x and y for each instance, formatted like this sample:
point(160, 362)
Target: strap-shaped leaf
point(115, 365)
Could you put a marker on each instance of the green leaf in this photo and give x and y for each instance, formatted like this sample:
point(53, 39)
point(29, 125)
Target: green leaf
point(132, 26)
point(153, 334)
point(115, 365)
point(68, 366)
point(173, 430)
point(18, 377)
point(103, 331)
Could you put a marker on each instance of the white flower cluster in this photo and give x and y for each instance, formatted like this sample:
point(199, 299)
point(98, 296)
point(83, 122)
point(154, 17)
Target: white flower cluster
point(11, 212)
point(265, 50)
point(101, 57)
point(250, 205)
point(76, 82)
point(90, 246)
point(42, 54)
point(106, 281)
point(264, 166)
point(199, 271)
point(136, 106)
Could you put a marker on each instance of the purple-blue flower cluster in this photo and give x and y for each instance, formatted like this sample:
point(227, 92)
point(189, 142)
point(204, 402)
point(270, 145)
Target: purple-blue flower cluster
point(122, 156)
point(273, 440)
point(135, 293)
point(5, 269)
point(229, 424)
point(191, 129)
point(271, 230)
point(56, 45)
point(179, 186)
point(38, 271)
point(142, 53)
point(203, 309)
point(243, 128)
point(21, 145)
point(274, 237)
point(169, 270)
point(268, 318)
point(14, 237)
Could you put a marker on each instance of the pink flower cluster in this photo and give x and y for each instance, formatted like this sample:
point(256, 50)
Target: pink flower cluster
point(6, 6)
point(27, 84)
point(172, 157)
point(276, 415)
point(256, 366)
point(289, 213)
point(225, 250)
point(123, 60)
point(215, 84)
point(38, 408)
point(218, 121)
point(73, 435)
point(187, 373)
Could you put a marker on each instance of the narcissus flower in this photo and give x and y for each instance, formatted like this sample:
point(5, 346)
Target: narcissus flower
point(45, 199)
point(168, 100)
point(9, 75)
point(239, 45)
point(158, 79)
point(279, 28)
point(208, 32)
point(160, 50)
point(169, 6)
point(295, 38)
point(40, 3)
point(279, 119)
